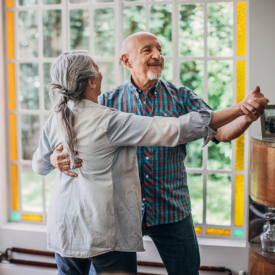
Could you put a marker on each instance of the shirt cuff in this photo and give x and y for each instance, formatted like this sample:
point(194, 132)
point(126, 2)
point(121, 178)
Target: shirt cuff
point(210, 132)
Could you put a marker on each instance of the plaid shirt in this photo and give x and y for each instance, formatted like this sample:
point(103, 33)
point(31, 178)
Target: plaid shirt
point(161, 169)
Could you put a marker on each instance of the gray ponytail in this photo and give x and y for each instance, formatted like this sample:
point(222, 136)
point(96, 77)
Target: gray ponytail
point(70, 73)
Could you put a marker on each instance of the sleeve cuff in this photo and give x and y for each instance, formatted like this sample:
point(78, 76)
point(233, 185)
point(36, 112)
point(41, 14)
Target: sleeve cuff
point(210, 132)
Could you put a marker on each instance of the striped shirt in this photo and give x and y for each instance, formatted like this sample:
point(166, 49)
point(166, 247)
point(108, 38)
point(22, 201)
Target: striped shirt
point(161, 169)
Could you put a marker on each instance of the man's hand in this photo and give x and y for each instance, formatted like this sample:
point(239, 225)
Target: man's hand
point(253, 105)
point(61, 161)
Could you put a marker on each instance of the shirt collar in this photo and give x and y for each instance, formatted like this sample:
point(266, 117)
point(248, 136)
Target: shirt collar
point(84, 103)
point(155, 89)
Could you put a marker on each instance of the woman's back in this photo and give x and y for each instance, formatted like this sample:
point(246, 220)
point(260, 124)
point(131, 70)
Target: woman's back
point(100, 210)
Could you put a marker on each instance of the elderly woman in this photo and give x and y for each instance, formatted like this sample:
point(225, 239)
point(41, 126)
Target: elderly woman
point(96, 217)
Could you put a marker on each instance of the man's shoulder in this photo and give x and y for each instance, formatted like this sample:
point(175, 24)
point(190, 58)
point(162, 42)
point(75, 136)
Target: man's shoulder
point(113, 94)
point(176, 90)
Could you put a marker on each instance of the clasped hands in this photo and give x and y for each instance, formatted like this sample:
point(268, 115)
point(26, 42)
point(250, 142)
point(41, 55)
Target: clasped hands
point(253, 105)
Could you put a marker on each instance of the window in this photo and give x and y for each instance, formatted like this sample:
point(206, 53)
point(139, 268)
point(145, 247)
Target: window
point(204, 43)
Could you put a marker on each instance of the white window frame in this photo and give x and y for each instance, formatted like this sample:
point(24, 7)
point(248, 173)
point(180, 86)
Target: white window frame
point(176, 59)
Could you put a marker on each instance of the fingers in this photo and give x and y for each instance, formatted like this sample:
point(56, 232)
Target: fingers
point(255, 107)
point(59, 148)
point(257, 89)
point(68, 173)
point(263, 101)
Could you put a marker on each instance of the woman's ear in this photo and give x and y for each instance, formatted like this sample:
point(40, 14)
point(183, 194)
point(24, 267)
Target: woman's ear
point(91, 84)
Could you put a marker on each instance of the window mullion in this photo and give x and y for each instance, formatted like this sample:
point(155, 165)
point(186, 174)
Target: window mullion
point(118, 41)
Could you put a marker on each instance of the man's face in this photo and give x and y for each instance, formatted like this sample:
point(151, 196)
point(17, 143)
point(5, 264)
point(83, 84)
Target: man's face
point(146, 57)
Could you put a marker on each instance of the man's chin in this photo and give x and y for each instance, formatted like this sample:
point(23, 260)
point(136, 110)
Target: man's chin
point(154, 76)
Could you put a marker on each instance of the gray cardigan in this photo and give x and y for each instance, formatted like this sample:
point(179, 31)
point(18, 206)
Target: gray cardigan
point(100, 210)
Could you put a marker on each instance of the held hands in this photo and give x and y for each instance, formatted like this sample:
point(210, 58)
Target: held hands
point(253, 105)
point(61, 161)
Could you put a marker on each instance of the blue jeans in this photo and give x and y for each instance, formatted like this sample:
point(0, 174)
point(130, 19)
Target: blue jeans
point(177, 245)
point(108, 263)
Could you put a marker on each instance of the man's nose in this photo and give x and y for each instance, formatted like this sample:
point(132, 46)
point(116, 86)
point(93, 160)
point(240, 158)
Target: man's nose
point(156, 54)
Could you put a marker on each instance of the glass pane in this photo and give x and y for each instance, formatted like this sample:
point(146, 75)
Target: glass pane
point(108, 71)
point(218, 199)
point(51, 2)
point(167, 73)
point(220, 94)
point(219, 156)
point(191, 41)
point(52, 42)
point(104, 32)
point(47, 80)
point(134, 0)
point(191, 76)
point(27, 2)
point(220, 29)
point(29, 86)
point(195, 186)
point(134, 20)
point(194, 154)
point(78, 1)
point(220, 84)
point(161, 26)
point(102, 1)
point(79, 29)
point(28, 34)
point(49, 183)
point(127, 74)
point(31, 190)
point(30, 134)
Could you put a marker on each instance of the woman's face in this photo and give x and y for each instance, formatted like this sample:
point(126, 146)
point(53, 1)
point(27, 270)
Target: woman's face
point(98, 81)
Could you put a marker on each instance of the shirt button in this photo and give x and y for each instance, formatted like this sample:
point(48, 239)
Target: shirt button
point(165, 114)
point(144, 102)
point(144, 199)
point(147, 176)
point(147, 158)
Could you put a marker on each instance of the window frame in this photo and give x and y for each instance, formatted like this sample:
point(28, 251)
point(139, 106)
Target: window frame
point(118, 6)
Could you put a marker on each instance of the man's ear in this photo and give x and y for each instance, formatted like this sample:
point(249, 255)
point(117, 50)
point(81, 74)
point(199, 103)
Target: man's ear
point(91, 84)
point(126, 60)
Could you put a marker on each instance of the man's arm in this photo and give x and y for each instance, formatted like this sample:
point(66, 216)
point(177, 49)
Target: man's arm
point(253, 108)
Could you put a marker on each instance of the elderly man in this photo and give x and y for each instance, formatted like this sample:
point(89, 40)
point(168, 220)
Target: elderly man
point(166, 204)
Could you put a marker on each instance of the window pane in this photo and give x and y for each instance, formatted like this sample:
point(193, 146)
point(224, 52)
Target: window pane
point(51, 2)
point(102, 1)
point(31, 190)
point(134, 20)
point(108, 71)
point(194, 154)
point(220, 94)
point(195, 186)
point(167, 73)
point(29, 86)
point(52, 42)
point(79, 29)
point(161, 26)
point(219, 156)
point(47, 80)
point(191, 76)
point(49, 183)
point(30, 134)
point(127, 74)
point(28, 34)
point(78, 1)
point(104, 32)
point(218, 199)
point(220, 29)
point(27, 2)
point(191, 41)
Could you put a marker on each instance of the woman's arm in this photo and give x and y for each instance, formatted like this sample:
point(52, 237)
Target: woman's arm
point(131, 130)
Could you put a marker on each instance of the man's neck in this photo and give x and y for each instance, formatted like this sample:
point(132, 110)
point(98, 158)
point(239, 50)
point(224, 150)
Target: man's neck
point(143, 84)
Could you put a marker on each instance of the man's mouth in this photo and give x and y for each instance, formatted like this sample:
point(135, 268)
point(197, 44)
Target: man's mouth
point(155, 64)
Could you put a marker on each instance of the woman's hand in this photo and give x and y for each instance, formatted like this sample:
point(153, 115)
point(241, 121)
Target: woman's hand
point(61, 161)
point(253, 109)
